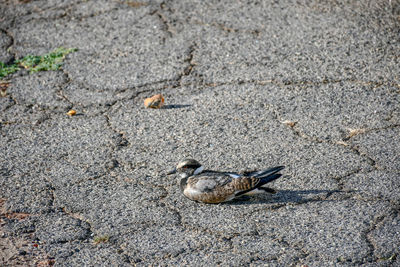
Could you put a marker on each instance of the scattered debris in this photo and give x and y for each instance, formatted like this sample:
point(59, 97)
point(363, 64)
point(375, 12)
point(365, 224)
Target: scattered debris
point(47, 262)
point(17, 215)
point(3, 88)
point(290, 123)
point(71, 113)
point(343, 143)
point(101, 239)
point(134, 3)
point(156, 101)
point(354, 132)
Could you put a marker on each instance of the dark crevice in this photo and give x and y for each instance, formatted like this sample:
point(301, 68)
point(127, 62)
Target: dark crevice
point(12, 100)
point(225, 28)
point(279, 206)
point(365, 131)
point(168, 28)
point(77, 216)
point(168, 83)
point(9, 34)
point(189, 62)
point(371, 246)
point(194, 228)
point(99, 13)
point(60, 92)
point(356, 150)
point(369, 160)
point(66, 14)
point(163, 195)
point(91, 178)
point(339, 180)
point(174, 210)
point(122, 141)
point(285, 83)
point(292, 126)
point(16, 20)
point(9, 45)
point(178, 83)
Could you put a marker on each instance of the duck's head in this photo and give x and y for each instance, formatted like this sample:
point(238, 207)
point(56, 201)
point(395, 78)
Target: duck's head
point(187, 167)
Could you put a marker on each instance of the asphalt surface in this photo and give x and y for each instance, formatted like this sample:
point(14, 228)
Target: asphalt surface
point(311, 85)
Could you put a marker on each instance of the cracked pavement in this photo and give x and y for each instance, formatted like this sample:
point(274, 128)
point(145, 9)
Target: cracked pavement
point(311, 85)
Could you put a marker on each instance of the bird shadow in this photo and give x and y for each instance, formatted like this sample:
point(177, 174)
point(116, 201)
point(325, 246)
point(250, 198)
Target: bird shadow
point(175, 106)
point(286, 196)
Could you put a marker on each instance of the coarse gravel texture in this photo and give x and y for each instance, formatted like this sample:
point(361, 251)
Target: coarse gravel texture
point(311, 85)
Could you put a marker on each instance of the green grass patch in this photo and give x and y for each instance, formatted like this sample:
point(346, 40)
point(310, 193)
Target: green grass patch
point(50, 61)
point(6, 70)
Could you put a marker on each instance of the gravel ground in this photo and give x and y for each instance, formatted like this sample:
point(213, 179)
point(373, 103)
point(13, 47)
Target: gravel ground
point(311, 85)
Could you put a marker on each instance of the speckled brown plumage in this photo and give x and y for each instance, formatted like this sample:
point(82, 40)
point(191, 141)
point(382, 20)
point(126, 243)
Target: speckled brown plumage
point(216, 188)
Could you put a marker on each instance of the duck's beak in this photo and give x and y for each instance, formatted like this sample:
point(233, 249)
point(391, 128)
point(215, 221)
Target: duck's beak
point(171, 171)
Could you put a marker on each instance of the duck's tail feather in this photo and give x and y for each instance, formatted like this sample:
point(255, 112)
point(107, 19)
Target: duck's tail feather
point(259, 187)
point(268, 179)
point(264, 173)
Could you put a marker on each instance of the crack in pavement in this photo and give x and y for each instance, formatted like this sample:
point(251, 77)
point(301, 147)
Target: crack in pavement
point(193, 228)
point(354, 149)
point(168, 28)
point(189, 60)
point(122, 140)
point(369, 159)
point(178, 83)
point(67, 80)
point(79, 217)
point(340, 183)
point(371, 246)
point(12, 100)
point(8, 46)
point(225, 28)
point(356, 132)
point(150, 84)
point(285, 83)
point(66, 13)
point(19, 250)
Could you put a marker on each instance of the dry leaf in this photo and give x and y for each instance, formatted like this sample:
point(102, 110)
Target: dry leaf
point(156, 101)
point(71, 112)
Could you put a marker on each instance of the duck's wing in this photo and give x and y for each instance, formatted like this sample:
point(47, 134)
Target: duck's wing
point(264, 173)
point(217, 187)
